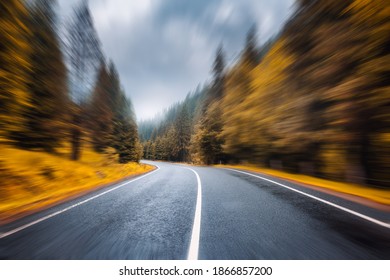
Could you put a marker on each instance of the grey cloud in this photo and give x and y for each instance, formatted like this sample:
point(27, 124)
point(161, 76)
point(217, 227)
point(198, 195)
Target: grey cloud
point(163, 50)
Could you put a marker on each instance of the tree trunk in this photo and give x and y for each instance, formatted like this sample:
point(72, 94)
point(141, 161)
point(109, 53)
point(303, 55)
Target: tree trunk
point(306, 168)
point(76, 136)
point(76, 140)
point(354, 170)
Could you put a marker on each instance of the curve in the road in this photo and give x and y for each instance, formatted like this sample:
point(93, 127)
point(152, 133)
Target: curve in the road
point(216, 214)
point(195, 236)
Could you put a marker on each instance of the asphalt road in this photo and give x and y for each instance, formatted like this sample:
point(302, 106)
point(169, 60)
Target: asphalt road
point(180, 212)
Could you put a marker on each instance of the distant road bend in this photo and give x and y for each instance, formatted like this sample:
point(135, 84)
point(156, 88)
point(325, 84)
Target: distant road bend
point(188, 212)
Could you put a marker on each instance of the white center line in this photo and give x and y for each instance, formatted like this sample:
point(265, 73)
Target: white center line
point(5, 234)
point(375, 221)
point(194, 244)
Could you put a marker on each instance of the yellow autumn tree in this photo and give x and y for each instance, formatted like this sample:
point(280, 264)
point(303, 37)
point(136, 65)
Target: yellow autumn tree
point(15, 67)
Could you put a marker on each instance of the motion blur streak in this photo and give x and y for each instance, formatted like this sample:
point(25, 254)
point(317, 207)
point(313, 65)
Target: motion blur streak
point(66, 125)
point(305, 97)
point(313, 100)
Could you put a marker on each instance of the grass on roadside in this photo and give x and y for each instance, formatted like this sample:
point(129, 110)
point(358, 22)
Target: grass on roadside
point(377, 195)
point(32, 180)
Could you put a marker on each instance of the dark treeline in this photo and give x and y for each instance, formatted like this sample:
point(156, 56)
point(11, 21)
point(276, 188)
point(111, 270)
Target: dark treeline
point(315, 100)
point(57, 92)
point(168, 136)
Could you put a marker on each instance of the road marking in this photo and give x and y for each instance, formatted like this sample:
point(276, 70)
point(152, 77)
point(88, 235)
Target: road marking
point(5, 234)
point(194, 244)
point(375, 221)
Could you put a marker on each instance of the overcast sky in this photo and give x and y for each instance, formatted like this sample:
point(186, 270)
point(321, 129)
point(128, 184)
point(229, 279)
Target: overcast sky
point(164, 48)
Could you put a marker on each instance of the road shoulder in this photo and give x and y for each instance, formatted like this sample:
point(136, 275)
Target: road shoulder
point(374, 198)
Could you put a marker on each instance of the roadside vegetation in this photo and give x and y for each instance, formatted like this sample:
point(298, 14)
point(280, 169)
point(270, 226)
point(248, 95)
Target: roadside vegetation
point(33, 180)
point(313, 100)
point(66, 124)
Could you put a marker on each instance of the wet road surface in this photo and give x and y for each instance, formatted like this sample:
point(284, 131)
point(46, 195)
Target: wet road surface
point(240, 216)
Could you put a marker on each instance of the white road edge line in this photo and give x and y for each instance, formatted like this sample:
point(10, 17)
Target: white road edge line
point(195, 236)
point(375, 221)
point(5, 234)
